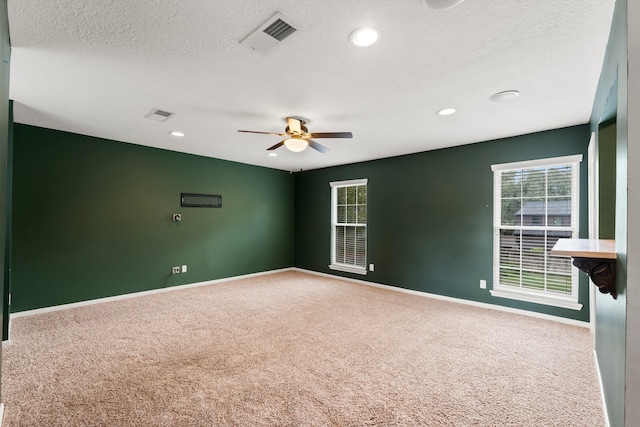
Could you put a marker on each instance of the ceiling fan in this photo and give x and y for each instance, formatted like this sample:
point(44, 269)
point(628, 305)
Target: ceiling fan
point(298, 136)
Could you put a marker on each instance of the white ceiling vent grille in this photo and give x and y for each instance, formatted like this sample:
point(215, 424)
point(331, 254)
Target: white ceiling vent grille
point(279, 30)
point(269, 34)
point(159, 115)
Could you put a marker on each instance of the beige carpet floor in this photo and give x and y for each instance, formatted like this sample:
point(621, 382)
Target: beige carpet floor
point(294, 349)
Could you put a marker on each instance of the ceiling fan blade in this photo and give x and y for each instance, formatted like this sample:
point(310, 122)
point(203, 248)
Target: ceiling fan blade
point(316, 146)
point(264, 133)
point(294, 125)
point(278, 145)
point(329, 135)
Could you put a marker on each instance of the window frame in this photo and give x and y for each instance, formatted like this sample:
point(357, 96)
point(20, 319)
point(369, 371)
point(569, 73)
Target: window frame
point(569, 301)
point(334, 265)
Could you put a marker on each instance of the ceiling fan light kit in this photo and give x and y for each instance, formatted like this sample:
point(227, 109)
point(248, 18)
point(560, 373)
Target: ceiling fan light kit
point(296, 145)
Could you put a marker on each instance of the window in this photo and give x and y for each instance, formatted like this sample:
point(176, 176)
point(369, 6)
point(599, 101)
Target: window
point(535, 204)
point(349, 226)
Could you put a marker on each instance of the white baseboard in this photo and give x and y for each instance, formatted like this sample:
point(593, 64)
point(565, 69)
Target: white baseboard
point(139, 294)
point(1, 413)
point(604, 402)
point(361, 282)
point(456, 300)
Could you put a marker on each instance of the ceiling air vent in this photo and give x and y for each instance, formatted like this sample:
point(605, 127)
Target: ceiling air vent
point(279, 30)
point(269, 34)
point(159, 115)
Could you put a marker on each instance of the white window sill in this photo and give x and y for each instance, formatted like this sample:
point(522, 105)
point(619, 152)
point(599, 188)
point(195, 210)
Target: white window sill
point(348, 268)
point(536, 298)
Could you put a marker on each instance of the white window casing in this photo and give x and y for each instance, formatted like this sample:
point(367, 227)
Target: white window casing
point(349, 226)
point(535, 203)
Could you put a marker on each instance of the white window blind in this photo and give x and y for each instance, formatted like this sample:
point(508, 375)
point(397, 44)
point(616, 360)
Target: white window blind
point(349, 226)
point(535, 204)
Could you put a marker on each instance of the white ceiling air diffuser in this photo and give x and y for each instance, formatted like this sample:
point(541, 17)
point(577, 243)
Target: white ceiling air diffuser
point(269, 34)
point(159, 115)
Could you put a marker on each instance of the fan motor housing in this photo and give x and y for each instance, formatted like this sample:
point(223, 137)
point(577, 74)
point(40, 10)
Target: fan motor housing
point(302, 127)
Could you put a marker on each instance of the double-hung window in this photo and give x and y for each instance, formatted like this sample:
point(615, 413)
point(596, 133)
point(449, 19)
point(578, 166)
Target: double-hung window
point(535, 204)
point(349, 226)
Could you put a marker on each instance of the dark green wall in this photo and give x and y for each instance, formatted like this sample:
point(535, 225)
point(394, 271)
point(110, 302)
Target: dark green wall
point(607, 181)
point(430, 216)
point(610, 104)
point(92, 218)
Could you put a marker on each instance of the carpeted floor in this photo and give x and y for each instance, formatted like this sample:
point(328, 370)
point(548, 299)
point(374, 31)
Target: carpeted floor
point(294, 349)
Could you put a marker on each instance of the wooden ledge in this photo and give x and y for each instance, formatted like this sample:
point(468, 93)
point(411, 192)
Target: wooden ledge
point(585, 248)
point(597, 258)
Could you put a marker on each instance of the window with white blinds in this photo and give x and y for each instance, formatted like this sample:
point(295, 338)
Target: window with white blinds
point(535, 204)
point(349, 226)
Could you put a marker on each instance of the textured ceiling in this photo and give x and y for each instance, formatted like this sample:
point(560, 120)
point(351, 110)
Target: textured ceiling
point(96, 68)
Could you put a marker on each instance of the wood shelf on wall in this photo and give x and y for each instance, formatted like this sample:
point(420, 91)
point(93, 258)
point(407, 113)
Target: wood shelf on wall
point(596, 257)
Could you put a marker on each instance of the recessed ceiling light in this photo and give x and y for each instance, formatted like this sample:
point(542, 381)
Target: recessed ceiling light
point(364, 36)
point(177, 133)
point(506, 95)
point(446, 111)
point(272, 154)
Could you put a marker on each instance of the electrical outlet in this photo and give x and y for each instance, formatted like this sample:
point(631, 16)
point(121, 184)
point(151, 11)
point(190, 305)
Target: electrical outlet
point(483, 284)
point(371, 267)
point(184, 268)
point(175, 270)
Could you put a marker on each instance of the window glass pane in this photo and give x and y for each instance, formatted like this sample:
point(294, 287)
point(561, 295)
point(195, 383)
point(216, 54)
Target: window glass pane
point(559, 284)
point(509, 249)
point(510, 212)
point(533, 182)
point(351, 195)
point(350, 245)
point(533, 212)
point(342, 214)
point(559, 181)
point(339, 249)
point(533, 280)
point(361, 239)
point(559, 211)
point(362, 214)
point(510, 183)
point(510, 277)
point(342, 195)
point(559, 265)
point(362, 194)
point(555, 263)
point(351, 214)
point(533, 250)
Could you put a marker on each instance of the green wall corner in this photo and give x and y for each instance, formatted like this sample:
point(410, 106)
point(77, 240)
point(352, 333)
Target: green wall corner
point(93, 218)
point(430, 216)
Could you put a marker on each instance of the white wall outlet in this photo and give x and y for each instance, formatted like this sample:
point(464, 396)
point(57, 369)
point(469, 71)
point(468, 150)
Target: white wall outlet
point(175, 270)
point(483, 284)
point(184, 268)
point(371, 267)
point(176, 217)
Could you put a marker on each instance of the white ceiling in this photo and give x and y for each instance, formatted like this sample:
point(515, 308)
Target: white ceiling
point(96, 67)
